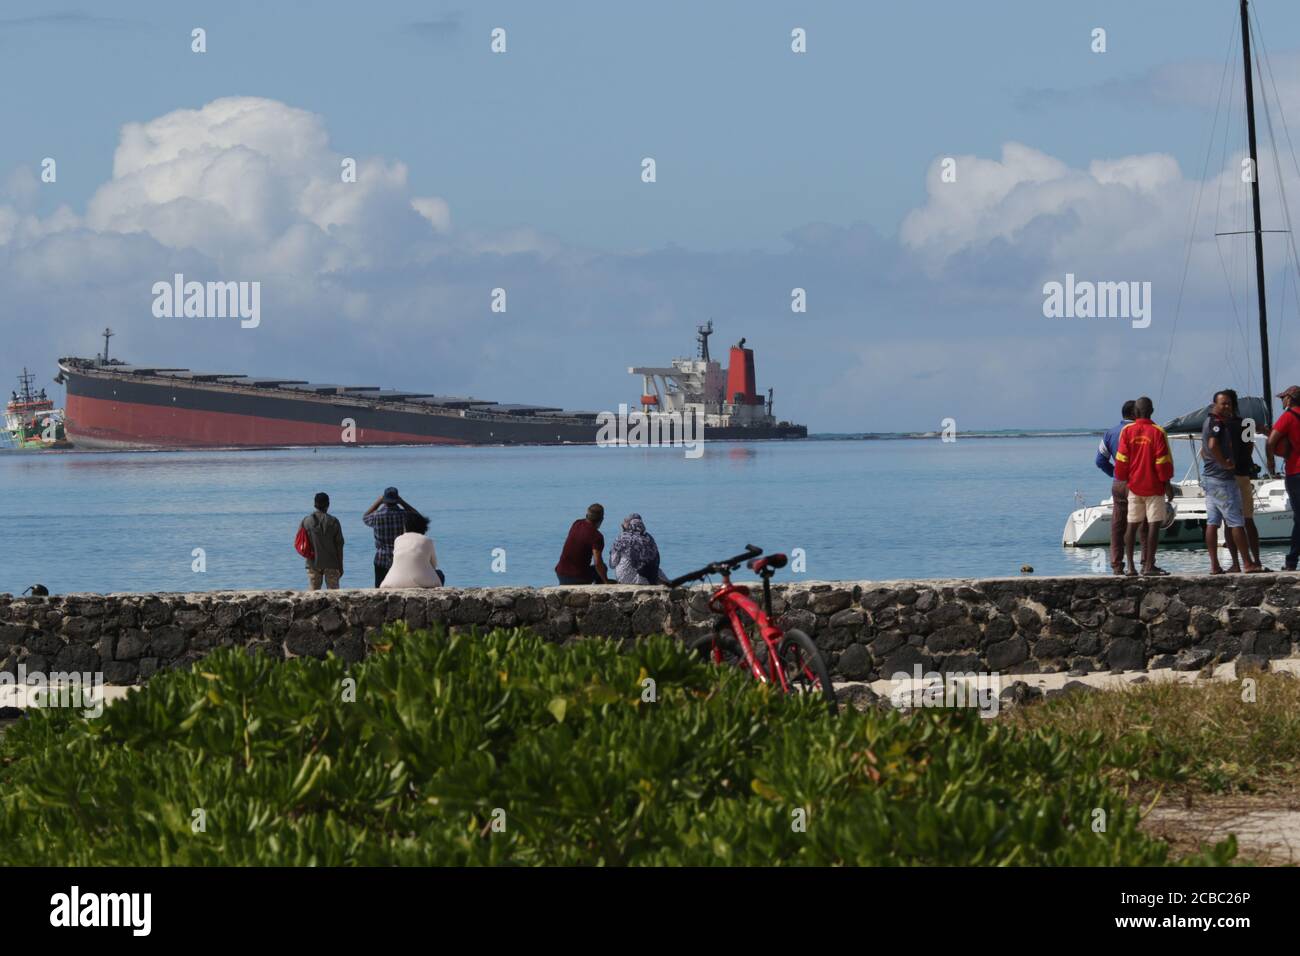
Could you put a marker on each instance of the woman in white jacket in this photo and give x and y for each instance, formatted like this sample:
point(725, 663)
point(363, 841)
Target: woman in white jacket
point(415, 564)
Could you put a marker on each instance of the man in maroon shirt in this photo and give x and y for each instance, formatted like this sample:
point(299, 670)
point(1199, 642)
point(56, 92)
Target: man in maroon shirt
point(580, 561)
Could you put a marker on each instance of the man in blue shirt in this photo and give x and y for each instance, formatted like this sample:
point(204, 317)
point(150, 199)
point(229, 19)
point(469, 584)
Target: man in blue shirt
point(1110, 441)
point(1106, 452)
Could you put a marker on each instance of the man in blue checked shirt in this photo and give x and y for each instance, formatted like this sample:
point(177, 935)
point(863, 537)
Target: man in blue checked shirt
point(387, 517)
point(1106, 452)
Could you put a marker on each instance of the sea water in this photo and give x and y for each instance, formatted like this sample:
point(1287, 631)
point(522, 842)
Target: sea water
point(858, 510)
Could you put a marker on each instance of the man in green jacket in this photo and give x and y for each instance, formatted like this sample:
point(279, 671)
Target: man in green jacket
point(326, 534)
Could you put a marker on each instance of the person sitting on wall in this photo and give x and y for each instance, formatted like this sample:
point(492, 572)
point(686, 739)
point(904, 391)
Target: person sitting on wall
point(634, 555)
point(415, 563)
point(580, 560)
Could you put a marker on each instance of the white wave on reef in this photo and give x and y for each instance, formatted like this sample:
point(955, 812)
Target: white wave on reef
point(1006, 433)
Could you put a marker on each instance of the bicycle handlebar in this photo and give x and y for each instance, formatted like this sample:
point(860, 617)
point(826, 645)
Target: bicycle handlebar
point(718, 567)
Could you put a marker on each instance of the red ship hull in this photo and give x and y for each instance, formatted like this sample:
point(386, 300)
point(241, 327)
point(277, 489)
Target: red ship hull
point(111, 424)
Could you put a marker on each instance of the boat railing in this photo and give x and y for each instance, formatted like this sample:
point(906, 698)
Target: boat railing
point(1193, 472)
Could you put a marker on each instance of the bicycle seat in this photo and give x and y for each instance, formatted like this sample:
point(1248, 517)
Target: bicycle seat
point(773, 561)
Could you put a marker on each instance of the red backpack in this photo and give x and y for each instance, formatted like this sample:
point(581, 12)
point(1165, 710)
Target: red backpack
point(302, 543)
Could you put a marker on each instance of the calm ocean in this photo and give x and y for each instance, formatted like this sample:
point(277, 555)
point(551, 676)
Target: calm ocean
point(859, 509)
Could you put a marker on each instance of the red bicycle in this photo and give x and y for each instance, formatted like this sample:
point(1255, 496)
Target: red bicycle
point(788, 659)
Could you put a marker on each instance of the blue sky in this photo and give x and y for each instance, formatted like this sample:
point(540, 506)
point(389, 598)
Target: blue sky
point(774, 169)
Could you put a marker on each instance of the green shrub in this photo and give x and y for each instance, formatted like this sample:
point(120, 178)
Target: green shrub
point(446, 732)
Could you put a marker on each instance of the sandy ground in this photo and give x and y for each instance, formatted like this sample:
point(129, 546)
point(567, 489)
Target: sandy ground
point(1101, 680)
point(1267, 826)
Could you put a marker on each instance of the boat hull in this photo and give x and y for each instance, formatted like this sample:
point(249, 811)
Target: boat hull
point(106, 410)
point(1090, 527)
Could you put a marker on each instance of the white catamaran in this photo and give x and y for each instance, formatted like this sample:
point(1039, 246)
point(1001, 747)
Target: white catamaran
point(1186, 513)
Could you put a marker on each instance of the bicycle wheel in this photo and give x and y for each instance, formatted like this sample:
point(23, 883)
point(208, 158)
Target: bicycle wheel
point(805, 668)
point(718, 648)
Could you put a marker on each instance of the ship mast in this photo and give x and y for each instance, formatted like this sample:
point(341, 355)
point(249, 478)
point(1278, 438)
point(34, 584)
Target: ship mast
point(1254, 197)
point(26, 396)
point(703, 332)
point(108, 334)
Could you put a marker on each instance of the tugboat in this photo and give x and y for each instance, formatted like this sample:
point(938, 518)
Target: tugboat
point(31, 420)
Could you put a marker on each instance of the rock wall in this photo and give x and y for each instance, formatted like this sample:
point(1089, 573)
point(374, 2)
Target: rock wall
point(867, 630)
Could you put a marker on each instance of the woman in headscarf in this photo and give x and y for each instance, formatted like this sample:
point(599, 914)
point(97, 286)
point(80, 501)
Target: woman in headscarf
point(634, 556)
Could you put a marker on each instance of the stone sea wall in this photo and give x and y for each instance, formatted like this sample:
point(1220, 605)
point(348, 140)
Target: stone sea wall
point(867, 630)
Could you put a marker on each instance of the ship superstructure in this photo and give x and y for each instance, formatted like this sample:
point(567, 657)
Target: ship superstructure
point(699, 385)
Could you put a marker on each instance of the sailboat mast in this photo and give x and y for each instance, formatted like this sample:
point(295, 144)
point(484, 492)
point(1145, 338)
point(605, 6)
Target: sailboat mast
point(1254, 196)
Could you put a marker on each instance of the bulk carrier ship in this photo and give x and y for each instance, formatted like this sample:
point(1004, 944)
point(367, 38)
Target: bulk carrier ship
point(111, 404)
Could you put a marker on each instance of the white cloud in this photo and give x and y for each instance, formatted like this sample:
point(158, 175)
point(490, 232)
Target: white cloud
point(982, 203)
point(249, 181)
point(1146, 174)
point(1027, 216)
point(999, 199)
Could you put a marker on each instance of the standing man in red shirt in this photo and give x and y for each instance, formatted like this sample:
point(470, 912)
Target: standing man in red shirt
point(1145, 462)
point(580, 561)
point(1284, 441)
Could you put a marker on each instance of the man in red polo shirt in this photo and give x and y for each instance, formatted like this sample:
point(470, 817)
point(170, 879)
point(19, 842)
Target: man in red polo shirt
point(1145, 462)
point(580, 560)
point(1284, 441)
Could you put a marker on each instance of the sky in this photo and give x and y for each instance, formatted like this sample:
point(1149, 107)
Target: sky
point(775, 170)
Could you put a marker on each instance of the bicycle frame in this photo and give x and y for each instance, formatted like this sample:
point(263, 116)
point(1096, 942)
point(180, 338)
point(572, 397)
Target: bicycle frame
point(731, 600)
